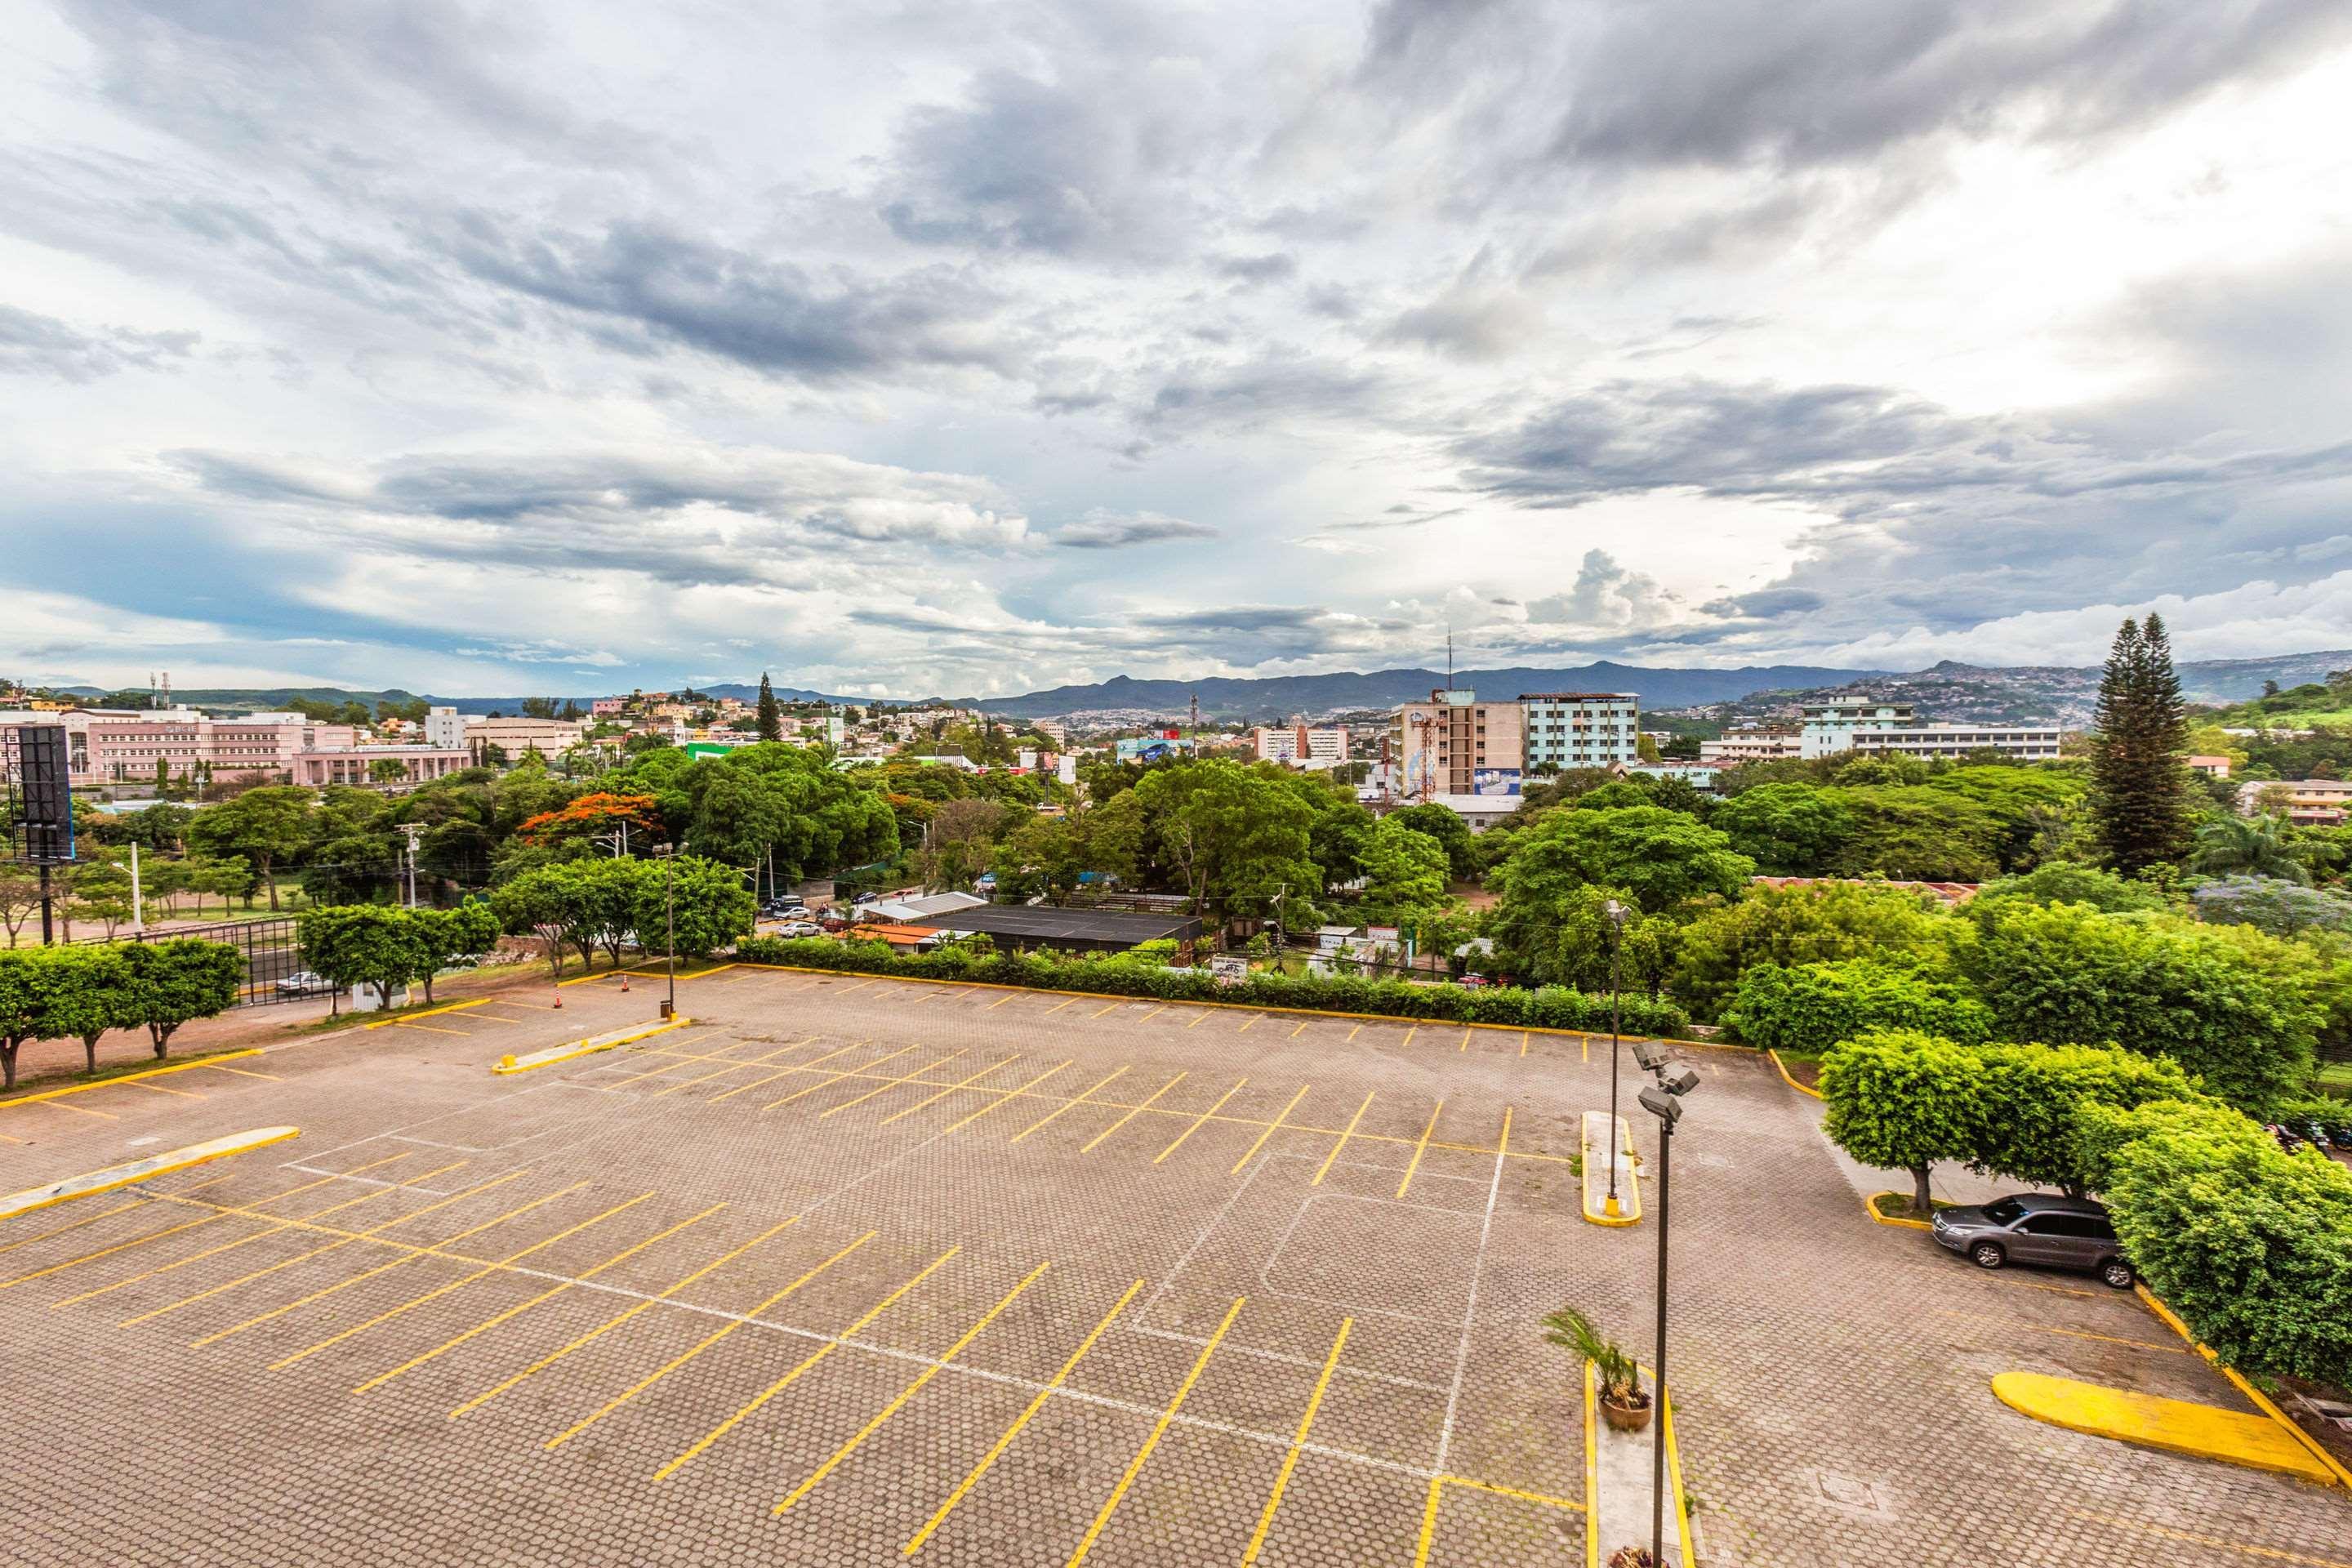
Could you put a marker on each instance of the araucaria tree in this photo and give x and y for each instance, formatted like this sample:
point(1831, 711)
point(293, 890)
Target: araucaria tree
point(2139, 784)
point(772, 719)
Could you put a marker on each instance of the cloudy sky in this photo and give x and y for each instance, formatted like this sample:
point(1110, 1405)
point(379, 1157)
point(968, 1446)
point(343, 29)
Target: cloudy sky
point(972, 348)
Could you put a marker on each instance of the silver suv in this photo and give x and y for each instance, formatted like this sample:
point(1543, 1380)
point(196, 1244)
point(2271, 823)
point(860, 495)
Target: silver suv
point(2036, 1227)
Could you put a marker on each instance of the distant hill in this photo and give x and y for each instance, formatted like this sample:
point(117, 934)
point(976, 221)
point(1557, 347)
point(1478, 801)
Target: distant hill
point(1960, 693)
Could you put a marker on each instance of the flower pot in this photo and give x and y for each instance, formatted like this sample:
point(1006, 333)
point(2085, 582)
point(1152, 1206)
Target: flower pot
point(1625, 1418)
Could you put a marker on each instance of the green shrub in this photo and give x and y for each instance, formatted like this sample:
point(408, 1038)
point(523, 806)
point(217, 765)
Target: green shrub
point(2042, 1097)
point(1550, 1007)
point(1902, 1100)
point(1813, 1006)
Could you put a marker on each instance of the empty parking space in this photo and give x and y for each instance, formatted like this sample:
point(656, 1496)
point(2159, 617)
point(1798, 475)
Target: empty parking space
point(860, 1272)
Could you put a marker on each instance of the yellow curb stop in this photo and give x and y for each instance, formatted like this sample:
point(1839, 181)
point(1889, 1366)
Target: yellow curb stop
point(1870, 1207)
point(1599, 1206)
point(93, 1182)
point(2175, 1426)
point(510, 1063)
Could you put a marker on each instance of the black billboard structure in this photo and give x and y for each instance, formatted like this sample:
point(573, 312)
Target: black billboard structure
point(34, 761)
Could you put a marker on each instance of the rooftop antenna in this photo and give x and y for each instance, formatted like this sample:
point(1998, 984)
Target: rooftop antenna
point(151, 689)
point(1196, 720)
point(1449, 659)
point(167, 688)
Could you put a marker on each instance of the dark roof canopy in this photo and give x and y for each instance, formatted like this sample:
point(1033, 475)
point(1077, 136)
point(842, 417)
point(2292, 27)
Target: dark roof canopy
point(1044, 924)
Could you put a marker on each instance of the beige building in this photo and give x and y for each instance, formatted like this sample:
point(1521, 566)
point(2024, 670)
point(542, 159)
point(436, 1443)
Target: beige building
point(2307, 803)
point(1300, 743)
point(549, 737)
point(1455, 744)
point(356, 764)
point(1738, 746)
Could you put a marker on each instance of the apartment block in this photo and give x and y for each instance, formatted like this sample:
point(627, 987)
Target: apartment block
point(2306, 803)
point(549, 737)
point(1739, 746)
point(358, 765)
point(1564, 730)
point(1298, 743)
point(1455, 744)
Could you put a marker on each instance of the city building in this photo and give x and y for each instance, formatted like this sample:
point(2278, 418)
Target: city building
point(1298, 741)
point(444, 727)
point(1454, 745)
point(1478, 812)
point(1868, 727)
point(1564, 730)
point(127, 750)
point(1736, 746)
point(605, 707)
point(1828, 728)
point(549, 737)
point(2211, 767)
point(357, 764)
point(1055, 731)
point(2306, 803)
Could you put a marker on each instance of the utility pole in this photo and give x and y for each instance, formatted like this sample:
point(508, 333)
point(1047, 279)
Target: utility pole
point(138, 916)
point(412, 829)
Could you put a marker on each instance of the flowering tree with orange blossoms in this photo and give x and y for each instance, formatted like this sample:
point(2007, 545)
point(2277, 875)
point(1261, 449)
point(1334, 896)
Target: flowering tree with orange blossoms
point(592, 816)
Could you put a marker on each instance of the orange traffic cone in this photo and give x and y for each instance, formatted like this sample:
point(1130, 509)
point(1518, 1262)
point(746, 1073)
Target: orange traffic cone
point(625, 982)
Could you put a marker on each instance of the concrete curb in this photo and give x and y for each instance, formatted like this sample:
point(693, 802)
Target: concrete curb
point(508, 1065)
point(90, 1183)
point(1785, 1078)
point(1870, 1207)
point(2173, 1425)
point(188, 1065)
point(1594, 1182)
point(432, 1012)
point(2337, 1474)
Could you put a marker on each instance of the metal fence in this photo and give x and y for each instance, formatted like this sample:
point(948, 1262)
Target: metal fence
point(268, 950)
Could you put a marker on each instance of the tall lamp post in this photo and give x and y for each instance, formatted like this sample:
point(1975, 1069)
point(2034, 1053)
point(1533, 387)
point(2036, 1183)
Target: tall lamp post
point(1616, 913)
point(1665, 1101)
point(668, 856)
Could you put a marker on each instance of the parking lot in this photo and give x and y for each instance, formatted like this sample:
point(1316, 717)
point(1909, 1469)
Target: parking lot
point(847, 1270)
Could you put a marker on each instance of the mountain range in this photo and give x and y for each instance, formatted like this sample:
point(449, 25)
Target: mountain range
point(1949, 691)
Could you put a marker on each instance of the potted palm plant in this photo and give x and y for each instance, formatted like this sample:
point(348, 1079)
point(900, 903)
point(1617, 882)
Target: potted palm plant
point(1623, 1403)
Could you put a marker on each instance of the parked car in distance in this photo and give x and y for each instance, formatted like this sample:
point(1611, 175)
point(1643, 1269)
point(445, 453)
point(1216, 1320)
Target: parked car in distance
point(866, 899)
point(302, 982)
point(2036, 1227)
point(796, 912)
point(800, 928)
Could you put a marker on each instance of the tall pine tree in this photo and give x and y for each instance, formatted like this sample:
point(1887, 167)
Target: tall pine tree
point(772, 717)
point(2139, 782)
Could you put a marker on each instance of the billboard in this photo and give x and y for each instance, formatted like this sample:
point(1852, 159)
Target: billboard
point(1496, 780)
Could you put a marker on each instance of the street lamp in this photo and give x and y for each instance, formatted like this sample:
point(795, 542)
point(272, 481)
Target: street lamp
point(668, 855)
point(1665, 1101)
point(1616, 913)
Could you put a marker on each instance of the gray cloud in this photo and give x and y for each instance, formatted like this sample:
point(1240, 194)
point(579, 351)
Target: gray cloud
point(1100, 529)
point(1273, 267)
point(42, 345)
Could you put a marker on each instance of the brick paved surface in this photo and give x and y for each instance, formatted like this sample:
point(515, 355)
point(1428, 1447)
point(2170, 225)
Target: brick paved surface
point(847, 1266)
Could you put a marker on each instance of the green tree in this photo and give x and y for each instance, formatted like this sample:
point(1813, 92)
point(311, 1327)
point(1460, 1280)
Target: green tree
point(771, 717)
point(1440, 822)
point(1814, 1007)
point(2273, 906)
point(2256, 847)
point(2064, 883)
point(95, 992)
point(2041, 1096)
point(363, 945)
point(1661, 858)
point(180, 979)
point(1807, 924)
point(1234, 838)
point(709, 903)
point(2232, 1006)
point(1903, 1100)
point(265, 826)
point(2139, 786)
point(31, 982)
point(1914, 833)
point(1788, 829)
point(446, 935)
point(1405, 871)
point(387, 769)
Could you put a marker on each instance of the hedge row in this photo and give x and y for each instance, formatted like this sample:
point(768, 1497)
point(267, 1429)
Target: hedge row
point(1551, 1007)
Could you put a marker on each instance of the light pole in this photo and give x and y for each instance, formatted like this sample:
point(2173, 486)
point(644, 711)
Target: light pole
point(1616, 913)
point(668, 855)
point(1665, 1101)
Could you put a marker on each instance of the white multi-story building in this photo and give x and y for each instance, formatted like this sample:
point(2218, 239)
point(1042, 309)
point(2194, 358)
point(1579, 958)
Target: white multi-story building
point(1299, 743)
point(2021, 743)
point(1739, 746)
point(1579, 729)
point(444, 727)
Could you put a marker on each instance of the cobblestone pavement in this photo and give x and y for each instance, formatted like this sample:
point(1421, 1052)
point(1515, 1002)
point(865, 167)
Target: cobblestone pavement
point(849, 1271)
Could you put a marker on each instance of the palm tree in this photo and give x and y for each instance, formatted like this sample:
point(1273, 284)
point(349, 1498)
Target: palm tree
point(2255, 846)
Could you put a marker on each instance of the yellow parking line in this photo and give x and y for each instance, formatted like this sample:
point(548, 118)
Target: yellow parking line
point(54, 1096)
point(1005, 1098)
point(760, 1060)
point(381, 1268)
point(2070, 1333)
point(702, 1344)
point(457, 1284)
point(154, 1235)
point(1253, 1018)
point(1071, 1003)
point(428, 1013)
point(1067, 1105)
point(1298, 1438)
point(928, 1372)
point(1195, 1124)
point(1195, 1023)
point(1008, 996)
point(1301, 1030)
point(1112, 1007)
point(1271, 1128)
point(157, 1089)
point(256, 1236)
point(77, 1224)
point(1420, 1149)
point(273, 1077)
point(62, 1105)
point(1153, 1014)
point(1342, 1143)
point(428, 1028)
point(2269, 1554)
point(1465, 1041)
point(808, 1362)
point(1131, 1115)
point(893, 1083)
point(623, 1316)
point(1409, 1033)
point(809, 1065)
point(836, 1075)
point(1135, 1466)
point(1523, 1042)
point(329, 1247)
point(1353, 1032)
point(1035, 1405)
point(951, 1088)
point(515, 1311)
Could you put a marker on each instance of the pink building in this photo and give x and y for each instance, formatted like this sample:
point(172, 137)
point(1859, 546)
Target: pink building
point(356, 764)
point(603, 706)
point(126, 750)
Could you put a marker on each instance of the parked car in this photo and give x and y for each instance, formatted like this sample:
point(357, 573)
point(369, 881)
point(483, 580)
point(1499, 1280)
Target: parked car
point(2036, 1227)
point(800, 928)
point(866, 899)
point(797, 912)
point(303, 982)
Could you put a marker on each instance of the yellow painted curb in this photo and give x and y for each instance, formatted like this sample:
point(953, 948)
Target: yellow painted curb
point(1870, 1207)
point(2175, 1426)
point(634, 972)
point(1237, 1007)
point(1786, 1079)
point(428, 1013)
point(2337, 1474)
point(129, 1078)
point(508, 1065)
point(1591, 1471)
point(1674, 1476)
point(1595, 1181)
point(96, 1182)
